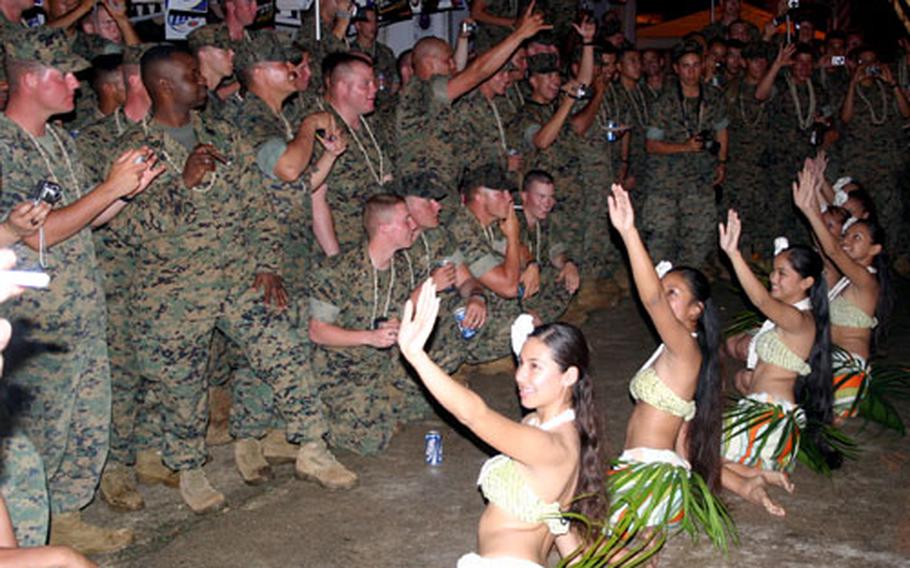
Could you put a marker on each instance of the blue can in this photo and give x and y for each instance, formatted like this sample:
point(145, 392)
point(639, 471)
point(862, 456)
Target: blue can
point(466, 332)
point(432, 447)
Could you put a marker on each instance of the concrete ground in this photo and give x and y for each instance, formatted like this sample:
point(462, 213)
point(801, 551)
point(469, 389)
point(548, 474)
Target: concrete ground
point(407, 514)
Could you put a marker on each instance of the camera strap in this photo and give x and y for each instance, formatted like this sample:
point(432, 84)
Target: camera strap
point(388, 297)
point(685, 113)
point(47, 161)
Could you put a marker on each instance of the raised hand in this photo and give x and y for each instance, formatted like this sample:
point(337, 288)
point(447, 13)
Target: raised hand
point(805, 191)
point(531, 22)
point(417, 324)
point(729, 233)
point(622, 215)
point(586, 29)
point(785, 55)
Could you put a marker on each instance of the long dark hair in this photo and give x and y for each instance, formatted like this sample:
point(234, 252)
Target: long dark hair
point(703, 441)
point(815, 392)
point(885, 303)
point(568, 348)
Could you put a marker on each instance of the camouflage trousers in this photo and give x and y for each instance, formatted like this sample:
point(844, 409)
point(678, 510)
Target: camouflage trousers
point(552, 300)
point(746, 190)
point(68, 416)
point(599, 257)
point(446, 345)
point(494, 340)
point(173, 356)
point(680, 224)
point(24, 488)
point(367, 394)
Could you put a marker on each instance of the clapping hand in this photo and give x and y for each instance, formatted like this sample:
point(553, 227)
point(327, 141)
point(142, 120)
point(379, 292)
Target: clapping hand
point(417, 324)
point(729, 234)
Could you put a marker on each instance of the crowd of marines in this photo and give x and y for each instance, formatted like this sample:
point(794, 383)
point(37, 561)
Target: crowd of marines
point(246, 215)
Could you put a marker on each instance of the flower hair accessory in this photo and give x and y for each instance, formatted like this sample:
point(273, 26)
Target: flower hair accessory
point(522, 327)
point(847, 224)
point(662, 267)
point(780, 245)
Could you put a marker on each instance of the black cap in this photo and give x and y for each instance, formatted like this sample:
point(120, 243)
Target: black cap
point(420, 184)
point(543, 63)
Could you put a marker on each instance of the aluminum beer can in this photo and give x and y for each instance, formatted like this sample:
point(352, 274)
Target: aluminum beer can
point(432, 447)
point(466, 332)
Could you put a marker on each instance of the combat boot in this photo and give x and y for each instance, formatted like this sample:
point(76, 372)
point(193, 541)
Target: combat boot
point(276, 448)
point(150, 470)
point(68, 529)
point(250, 462)
point(118, 489)
point(198, 493)
point(316, 462)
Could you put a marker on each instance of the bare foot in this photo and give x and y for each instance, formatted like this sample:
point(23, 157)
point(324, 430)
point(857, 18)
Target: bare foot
point(756, 493)
point(778, 479)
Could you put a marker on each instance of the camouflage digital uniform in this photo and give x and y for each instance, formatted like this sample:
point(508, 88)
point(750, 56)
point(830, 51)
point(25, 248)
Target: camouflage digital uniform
point(481, 131)
point(634, 110)
point(483, 249)
point(424, 132)
point(62, 363)
point(791, 146)
point(220, 234)
point(432, 247)
point(545, 243)
point(7, 29)
point(23, 484)
point(357, 175)
point(874, 153)
point(572, 161)
point(679, 215)
point(366, 391)
point(253, 411)
point(746, 188)
point(488, 35)
point(131, 422)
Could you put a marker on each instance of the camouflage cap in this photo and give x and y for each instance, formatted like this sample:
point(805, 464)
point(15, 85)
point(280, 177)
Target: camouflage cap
point(421, 184)
point(47, 46)
point(132, 54)
point(686, 47)
point(215, 35)
point(261, 48)
point(543, 63)
point(490, 176)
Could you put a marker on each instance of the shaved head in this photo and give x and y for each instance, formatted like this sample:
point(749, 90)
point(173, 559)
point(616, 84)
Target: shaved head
point(380, 210)
point(430, 47)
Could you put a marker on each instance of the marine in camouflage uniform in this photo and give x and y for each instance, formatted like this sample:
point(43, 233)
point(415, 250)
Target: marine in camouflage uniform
point(221, 234)
point(679, 214)
point(578, 167)
point(874, 151)
point(792, 109)
point(62, 362)
point(482, 249)
point(747, 186)
point(543, 239)
point(366, 391)
point(23, 484)
point(480, 126)
point(633, 107)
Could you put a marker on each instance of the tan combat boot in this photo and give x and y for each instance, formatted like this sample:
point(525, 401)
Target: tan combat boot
point(118, 488)
point(198, 493)
point(250, 463)
point(68, 529)
point(316, 462)
point(150, 470)
point(276, 448)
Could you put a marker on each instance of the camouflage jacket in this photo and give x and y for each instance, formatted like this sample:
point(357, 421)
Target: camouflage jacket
point(481, 130)
point(425, 136)
point(96, 143)
point(356, 175)
point(195, 246)
point(74, 300)
point(749, 124)
point(347, 291)
point(675, 120)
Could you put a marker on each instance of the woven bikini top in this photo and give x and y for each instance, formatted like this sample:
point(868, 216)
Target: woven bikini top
point(503, 484)
point(771, 349)
point(648, 387)
point(845, 313)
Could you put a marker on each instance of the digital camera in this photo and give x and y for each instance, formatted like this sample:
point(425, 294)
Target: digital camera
point(711, 145)
point(47, 191)
point(468, 28)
